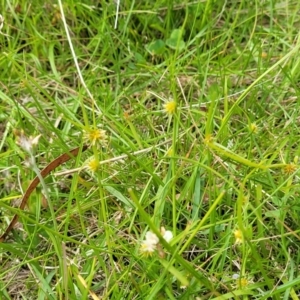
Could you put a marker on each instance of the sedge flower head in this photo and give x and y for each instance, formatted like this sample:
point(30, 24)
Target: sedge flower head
point(151, 238)
point(170, 107)
point(167, 234)
point(151, 242)
point(264, 54)
point(290, 168)
point(238, 236)
point(147, 248)
point(241, 282)
point(208, 139)
point(93, 165)
point(253, 128)
point(170, 152)
point(95, 136)
point(26, 143)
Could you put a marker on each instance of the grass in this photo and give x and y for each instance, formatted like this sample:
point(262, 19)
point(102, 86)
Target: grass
point(199, 103)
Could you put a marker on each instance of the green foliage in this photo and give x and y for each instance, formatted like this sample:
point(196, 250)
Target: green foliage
point(175, 41)
point(220, 170)
point(157, 47)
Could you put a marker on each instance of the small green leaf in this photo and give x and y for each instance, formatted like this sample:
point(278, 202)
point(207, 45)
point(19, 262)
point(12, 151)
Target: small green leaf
point(273, 213)
point(156, 47)
point(139, 58)
point(175, 41)
point(176, 34)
